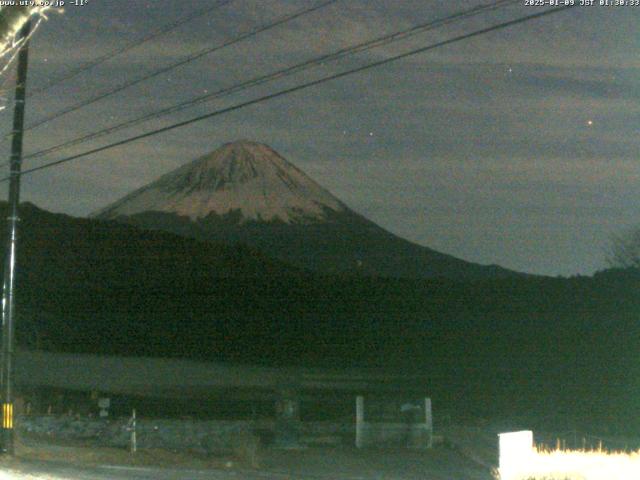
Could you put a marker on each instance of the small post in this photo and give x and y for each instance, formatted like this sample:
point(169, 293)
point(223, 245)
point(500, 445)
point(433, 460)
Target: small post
point(359, 421)
point(287, 425)
point(428, 419)
point(134, 440)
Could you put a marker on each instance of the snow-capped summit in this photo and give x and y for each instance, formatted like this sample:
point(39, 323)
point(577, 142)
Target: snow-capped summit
point(241, 177)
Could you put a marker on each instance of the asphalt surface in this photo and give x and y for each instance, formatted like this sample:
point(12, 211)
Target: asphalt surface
point(462, 460)
point(388, 467)
point(59, 471)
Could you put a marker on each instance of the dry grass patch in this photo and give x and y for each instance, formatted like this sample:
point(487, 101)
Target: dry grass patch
point(544, 464)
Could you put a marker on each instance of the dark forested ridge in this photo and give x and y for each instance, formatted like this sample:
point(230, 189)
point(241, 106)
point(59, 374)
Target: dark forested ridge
point(344, 243)
point(550, 345)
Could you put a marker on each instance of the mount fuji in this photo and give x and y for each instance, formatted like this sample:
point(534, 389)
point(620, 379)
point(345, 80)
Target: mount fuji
point(245, 192)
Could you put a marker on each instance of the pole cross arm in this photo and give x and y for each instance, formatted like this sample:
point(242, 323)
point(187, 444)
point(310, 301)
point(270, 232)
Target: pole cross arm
point(12, 19)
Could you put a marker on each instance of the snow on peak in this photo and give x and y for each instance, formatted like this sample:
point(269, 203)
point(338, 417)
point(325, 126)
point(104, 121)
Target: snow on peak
point(241, 176)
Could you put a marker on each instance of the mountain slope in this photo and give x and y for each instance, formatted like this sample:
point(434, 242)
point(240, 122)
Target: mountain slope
point(246, 192)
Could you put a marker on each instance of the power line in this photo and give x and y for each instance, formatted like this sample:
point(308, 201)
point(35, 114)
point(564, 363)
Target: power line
point(299, 88)
point(123, 86)
point(302, 86)
point(97, 61)
point(358, 48)
point(129, 46)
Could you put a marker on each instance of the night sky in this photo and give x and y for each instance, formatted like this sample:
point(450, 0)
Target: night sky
point(519, 147)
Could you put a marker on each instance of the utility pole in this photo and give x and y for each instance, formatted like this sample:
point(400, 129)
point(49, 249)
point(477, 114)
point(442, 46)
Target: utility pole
point(8, 286)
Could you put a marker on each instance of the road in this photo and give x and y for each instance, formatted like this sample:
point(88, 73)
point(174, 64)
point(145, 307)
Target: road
point(60, 471)
point(330, 463)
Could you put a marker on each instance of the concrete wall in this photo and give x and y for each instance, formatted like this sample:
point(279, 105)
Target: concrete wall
point(203, 436)
point(182, 434)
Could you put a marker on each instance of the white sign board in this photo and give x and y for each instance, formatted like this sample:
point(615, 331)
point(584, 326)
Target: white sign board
point(516, 451)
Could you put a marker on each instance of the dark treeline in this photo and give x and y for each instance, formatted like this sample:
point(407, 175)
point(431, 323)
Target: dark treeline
point(543, 347)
